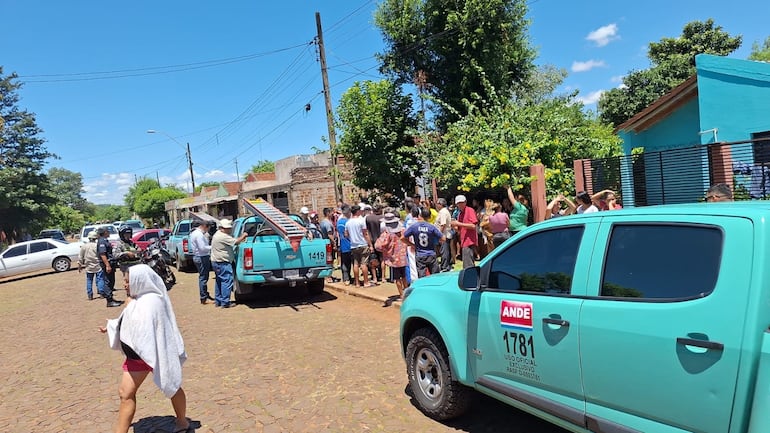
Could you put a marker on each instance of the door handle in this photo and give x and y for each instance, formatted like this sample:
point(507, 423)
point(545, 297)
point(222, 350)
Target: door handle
point(560, 322)
point(713, 345)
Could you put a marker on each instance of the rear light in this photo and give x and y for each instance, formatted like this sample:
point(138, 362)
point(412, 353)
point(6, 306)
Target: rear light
point(185, 245)
point(328, 253)
point(248, 258)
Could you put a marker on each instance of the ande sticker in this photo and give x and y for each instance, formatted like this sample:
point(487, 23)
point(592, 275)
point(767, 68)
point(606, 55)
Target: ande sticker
point(517, 315)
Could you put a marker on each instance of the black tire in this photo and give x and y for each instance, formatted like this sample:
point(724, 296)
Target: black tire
point(179, 264)
point(170, 279)
point(61, 264)
point(437, 393)
point(241, 291)
point(315, 287)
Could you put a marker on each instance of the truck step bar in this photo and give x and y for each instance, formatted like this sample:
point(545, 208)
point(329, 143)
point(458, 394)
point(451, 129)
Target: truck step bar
point(281, 223)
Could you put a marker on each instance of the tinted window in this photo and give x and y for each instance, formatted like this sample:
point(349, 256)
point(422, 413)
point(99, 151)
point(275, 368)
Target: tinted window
point(36, 247)
point(542, 262)
point(183, 228)
point(662, 261)
point(86, 231)
point(15, 251)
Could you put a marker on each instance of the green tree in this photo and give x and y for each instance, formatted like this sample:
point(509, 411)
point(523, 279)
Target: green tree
point(263, 166)
point(141, 187)
point(493, 147)
point(760, 53)
point(111, 212)
point(673, 61)
point(24, 188)
point(67, 188)
point(200, 187)
point(450, 45)
point(375, 121)
point(66, 218)
point(152, 204)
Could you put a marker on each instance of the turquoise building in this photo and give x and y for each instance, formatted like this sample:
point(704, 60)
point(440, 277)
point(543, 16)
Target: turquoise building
point(713, 128)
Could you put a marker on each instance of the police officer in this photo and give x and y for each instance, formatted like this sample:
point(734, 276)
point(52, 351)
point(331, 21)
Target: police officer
point(126, 252)
point(108, 263)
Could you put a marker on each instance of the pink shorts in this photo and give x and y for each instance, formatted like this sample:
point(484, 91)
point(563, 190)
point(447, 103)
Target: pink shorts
point(135, 365)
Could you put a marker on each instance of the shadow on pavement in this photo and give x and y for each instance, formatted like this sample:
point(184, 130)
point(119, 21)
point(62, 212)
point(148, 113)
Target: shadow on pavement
point(487, 415)
point(160, 424)
point(293, 297)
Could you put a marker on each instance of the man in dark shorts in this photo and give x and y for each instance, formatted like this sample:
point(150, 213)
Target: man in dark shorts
point(373, 221)
point(426, 238)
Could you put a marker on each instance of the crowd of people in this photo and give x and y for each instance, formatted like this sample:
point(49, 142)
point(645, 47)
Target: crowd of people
point(424, 236)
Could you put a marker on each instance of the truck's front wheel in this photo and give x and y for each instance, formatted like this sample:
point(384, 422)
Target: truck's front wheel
point(432, 382)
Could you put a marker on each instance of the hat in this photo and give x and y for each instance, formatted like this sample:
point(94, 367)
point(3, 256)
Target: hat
point(226, 223)
point(92, 234)
point(460, 199)
point(304, 210)
point(314, 214)
point(366, 207)
point(394, 227)
point(389, 218)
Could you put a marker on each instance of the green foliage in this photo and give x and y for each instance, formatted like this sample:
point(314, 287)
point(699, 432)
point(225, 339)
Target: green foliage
point(493, 147)
point(445, 47)
point(376, 120)
point(760, 53)
point(67, 188)
point(24, 189)
point(66, 218)
point(141, 187)
point(198, 188)
point(263, 166)
point(673, 61)
point(111, 212)
point(152, 204)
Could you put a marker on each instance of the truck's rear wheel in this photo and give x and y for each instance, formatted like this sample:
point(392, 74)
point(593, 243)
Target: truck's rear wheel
point(241, 291)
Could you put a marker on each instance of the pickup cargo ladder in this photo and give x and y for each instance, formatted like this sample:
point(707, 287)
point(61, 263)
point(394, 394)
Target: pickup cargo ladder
point(281, 223)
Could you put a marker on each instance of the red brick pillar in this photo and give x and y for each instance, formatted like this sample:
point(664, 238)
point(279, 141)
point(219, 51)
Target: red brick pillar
point(537, 188)
point(721, 164)
point(583, 181)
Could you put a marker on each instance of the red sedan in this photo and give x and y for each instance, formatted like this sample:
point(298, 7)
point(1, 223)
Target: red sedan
point(143, 238)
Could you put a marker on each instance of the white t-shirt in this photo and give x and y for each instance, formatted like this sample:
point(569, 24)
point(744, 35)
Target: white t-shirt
point(589, 209)
point(355, 228)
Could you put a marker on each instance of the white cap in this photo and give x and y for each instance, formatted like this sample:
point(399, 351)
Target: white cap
point(304, 210)
point(226, 223)
point(460, 198)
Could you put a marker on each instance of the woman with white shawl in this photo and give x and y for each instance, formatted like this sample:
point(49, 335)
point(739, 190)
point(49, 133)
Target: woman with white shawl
point(147, 333)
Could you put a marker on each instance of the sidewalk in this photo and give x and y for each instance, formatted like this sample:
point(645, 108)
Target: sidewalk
point(384, 293)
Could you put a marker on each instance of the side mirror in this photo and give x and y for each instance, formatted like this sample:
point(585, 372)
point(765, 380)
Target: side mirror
point(469, 278)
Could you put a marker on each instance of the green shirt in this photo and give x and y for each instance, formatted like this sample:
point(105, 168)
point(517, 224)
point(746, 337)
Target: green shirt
point(518, 217)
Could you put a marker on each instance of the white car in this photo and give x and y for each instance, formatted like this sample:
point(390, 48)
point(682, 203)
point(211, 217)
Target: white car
point(38, 255)
point(114, 236)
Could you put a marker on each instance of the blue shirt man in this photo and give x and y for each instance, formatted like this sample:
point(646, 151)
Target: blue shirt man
point(201, 250)
point(346, 258)
point(426, 237)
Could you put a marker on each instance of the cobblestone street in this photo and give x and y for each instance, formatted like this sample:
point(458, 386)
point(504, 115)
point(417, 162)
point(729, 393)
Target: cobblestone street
point(283, 363)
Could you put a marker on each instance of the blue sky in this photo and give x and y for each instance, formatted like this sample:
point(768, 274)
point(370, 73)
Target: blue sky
point(233, 78)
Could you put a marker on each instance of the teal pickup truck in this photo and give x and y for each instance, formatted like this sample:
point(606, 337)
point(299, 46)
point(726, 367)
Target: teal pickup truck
point(267, 260)
point(653, 319)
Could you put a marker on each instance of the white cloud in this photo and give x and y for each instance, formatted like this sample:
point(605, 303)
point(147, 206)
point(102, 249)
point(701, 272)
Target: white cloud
point(616, 79)
point(604, 35)
point(591, 98)
point(587, 65)
point(110, 188)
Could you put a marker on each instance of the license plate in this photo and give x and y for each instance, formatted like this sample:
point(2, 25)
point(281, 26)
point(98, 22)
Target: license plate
point(291, 273)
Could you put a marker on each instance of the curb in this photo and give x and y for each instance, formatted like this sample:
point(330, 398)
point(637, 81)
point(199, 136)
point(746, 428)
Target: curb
point(361, 293)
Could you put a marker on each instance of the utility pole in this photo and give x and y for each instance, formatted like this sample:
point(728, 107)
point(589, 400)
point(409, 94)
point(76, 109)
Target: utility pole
point(157, 177)
point(329, 113)
point(189, 162)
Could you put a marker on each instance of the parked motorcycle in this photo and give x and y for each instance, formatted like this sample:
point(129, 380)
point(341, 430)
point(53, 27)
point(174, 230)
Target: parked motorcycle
point(156, 257)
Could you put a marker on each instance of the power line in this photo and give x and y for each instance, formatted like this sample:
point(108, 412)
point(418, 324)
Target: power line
point(153, 70)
